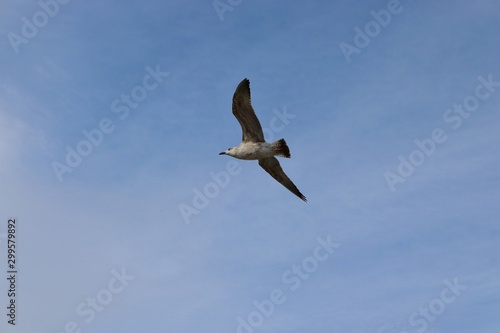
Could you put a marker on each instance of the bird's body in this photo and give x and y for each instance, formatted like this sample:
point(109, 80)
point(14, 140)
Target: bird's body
point(252, 151)
point(253, 146)
point(259, 150)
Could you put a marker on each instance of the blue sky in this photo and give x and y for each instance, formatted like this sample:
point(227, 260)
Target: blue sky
point(400, 232)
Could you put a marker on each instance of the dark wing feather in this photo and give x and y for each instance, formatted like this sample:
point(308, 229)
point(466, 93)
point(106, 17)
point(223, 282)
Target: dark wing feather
point(272, 166)
point(243, 111)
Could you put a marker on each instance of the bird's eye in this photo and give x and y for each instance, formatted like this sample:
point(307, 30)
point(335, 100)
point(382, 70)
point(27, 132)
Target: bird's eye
point(229, 148)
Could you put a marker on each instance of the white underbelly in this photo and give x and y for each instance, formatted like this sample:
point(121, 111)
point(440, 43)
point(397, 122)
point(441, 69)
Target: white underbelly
point(255, 151)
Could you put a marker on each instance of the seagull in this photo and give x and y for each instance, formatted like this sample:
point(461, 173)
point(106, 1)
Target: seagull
point(253, 146)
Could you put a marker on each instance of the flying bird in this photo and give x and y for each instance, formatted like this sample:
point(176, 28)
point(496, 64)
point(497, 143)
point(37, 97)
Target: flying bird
point(253, 146)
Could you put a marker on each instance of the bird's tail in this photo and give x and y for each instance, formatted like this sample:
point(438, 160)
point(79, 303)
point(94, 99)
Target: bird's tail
point(280, 148)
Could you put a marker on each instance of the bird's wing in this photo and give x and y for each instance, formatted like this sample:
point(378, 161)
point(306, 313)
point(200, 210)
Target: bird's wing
point(243, 111)
point(272, 166)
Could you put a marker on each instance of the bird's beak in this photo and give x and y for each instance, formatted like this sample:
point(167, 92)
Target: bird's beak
point(223, 153)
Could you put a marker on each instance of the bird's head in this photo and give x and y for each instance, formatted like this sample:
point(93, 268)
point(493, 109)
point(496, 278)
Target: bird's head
point(229, 151)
